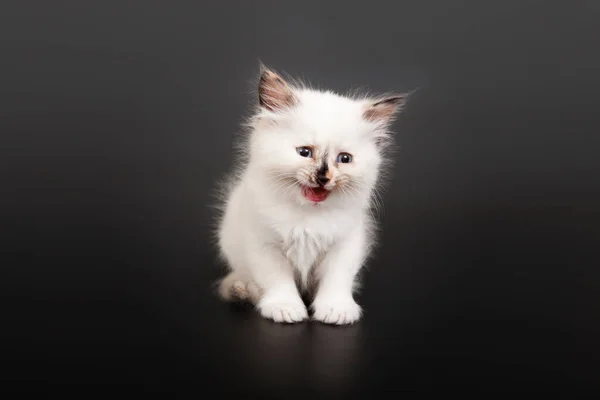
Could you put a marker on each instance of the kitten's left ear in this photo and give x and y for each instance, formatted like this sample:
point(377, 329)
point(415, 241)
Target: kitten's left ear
point(274, 93)
point(384, 110)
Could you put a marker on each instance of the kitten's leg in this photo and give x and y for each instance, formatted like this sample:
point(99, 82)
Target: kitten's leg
point(334, 302)
point(272, 273)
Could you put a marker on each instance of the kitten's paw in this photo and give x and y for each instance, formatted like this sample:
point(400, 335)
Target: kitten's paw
point(336, 312)
point(284, 311)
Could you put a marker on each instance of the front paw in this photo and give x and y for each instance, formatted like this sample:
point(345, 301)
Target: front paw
point(336, 311)
point(283, 310)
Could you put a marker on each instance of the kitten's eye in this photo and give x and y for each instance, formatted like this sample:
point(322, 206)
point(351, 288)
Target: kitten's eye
point(304, 151)
point(344, 158)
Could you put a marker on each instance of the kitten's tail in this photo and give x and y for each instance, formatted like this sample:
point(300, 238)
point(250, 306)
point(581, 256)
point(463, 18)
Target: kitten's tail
point(235, 287)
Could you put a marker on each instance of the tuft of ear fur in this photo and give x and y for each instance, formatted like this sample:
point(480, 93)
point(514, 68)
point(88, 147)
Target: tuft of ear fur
point(384, 109)
point(274, 93)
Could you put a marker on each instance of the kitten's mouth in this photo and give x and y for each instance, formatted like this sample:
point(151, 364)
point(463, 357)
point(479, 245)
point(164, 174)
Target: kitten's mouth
point(315, 195)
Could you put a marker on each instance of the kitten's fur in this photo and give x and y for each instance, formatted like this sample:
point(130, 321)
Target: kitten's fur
point(278, 243)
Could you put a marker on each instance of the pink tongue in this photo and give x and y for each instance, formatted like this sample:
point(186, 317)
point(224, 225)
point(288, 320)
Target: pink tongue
point(316, 194)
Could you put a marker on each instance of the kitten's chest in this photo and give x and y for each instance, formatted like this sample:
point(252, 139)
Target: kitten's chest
point(303, 246)
point(305, 242)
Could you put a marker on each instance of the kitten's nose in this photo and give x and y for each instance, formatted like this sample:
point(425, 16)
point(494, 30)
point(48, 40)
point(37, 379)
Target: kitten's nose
point(322, 178)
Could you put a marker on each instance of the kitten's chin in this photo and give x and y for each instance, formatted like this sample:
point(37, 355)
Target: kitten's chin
point(316, 195)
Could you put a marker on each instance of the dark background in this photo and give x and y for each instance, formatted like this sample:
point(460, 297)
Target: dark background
point(117, 119)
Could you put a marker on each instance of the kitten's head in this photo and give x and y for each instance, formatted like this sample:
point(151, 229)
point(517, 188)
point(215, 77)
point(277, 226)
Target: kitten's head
point(319, 148)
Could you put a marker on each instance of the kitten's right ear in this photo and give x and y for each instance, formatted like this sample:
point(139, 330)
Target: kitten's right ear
point(385, 109)
point(274, 93)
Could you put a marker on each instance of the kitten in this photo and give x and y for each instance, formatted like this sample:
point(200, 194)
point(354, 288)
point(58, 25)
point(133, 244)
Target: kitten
point(298, 213)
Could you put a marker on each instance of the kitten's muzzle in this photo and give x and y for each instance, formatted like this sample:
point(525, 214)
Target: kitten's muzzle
point(323, 174)
point(322, 179)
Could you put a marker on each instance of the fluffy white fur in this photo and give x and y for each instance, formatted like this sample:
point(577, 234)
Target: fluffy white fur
point(276, 242)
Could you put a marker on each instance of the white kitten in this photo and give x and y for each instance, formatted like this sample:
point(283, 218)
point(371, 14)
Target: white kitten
point(298, 213)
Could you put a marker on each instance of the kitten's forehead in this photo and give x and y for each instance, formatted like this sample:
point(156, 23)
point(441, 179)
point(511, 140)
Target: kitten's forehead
point(329, 116)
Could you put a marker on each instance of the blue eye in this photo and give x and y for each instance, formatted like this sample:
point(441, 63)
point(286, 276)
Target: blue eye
point(344, 158)
point(304, 151)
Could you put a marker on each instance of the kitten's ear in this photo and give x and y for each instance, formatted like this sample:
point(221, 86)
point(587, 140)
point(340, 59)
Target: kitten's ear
point(385, 109)
point(274, 93)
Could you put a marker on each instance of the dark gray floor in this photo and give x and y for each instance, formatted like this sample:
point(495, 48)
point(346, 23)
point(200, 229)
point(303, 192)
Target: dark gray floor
point(487, 277)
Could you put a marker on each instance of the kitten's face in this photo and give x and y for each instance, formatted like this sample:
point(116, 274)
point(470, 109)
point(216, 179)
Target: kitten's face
point(318, 148)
